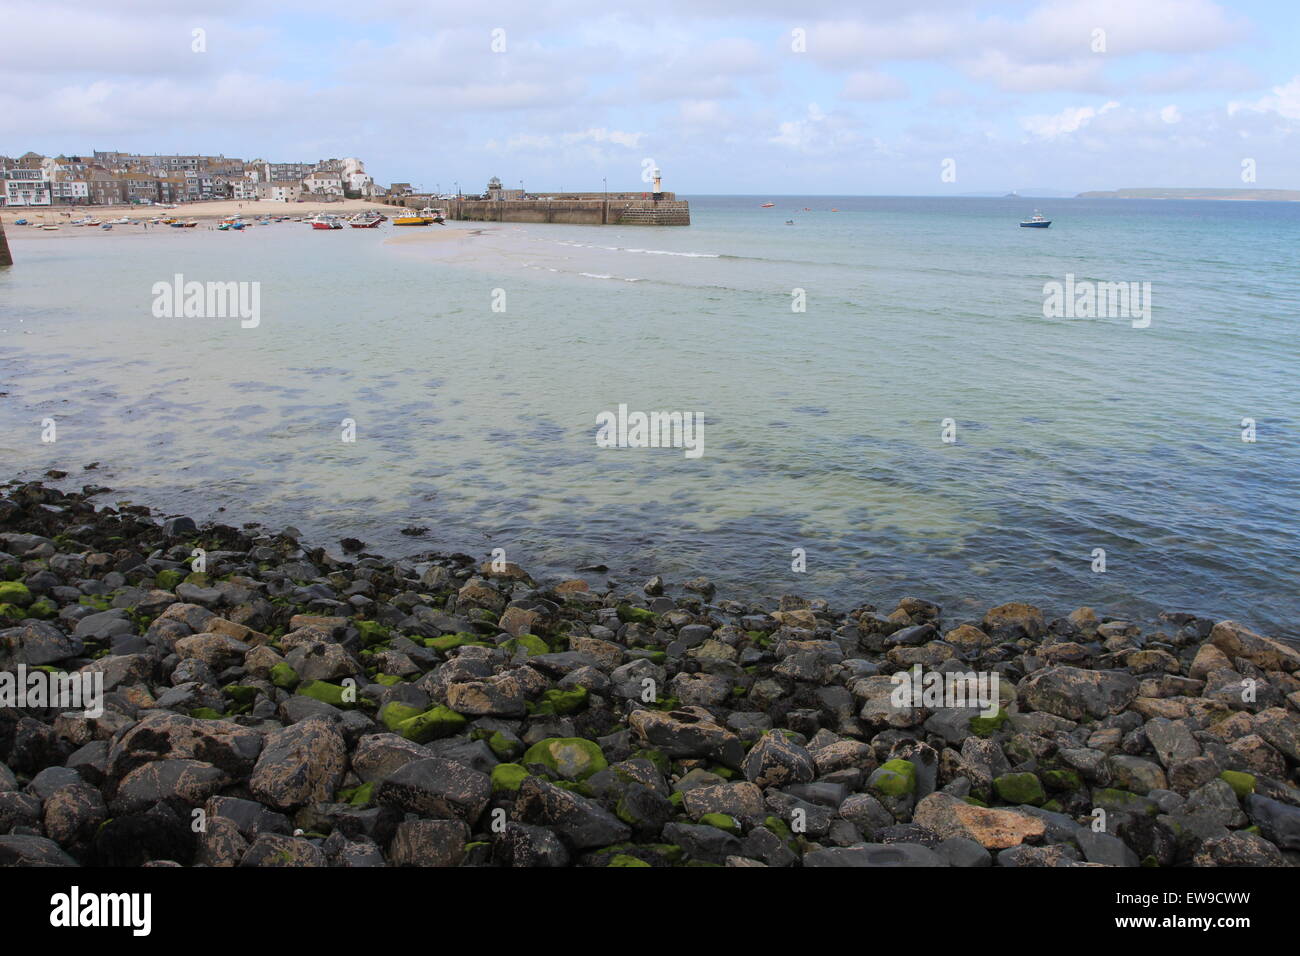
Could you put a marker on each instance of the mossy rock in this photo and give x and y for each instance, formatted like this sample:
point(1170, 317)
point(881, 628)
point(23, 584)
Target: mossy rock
point(656, 757)
point(42, 609)
point(387, 680)
point(723, 821)
point(530, 643)
point(1062, 779)
point(982, 726)
point(241, 694)
point(1019, 788)
point(12, 611)
point(15, 592)
point(448, 642)
point(372, 632)
point(361, 796)
point(205, 713)
point(573, 758)
point(168, 579)
point(622, 859)
point(434, 723)
point(1242, 784)
point(394, 712)
point(1125, 801)
point(974, 801)
point(635, 615)
point(559, 702)
point(502, 746)
point(506, 777)
point(334, 694)
point(284, 676)
point(894, 778)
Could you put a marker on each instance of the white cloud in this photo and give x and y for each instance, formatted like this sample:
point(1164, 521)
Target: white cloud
point(1285, 101)
point(1171, 115)
point(1069, 120)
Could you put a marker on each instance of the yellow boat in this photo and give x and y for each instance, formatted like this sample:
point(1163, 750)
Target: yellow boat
point(411, 221)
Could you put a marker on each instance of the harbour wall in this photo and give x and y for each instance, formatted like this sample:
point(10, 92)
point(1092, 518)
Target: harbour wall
point(577, 211)
point(6, 259)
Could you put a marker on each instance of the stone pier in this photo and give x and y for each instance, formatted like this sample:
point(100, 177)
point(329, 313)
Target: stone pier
point(6, 259)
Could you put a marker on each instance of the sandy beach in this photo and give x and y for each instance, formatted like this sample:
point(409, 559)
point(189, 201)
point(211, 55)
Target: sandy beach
point(197, 210)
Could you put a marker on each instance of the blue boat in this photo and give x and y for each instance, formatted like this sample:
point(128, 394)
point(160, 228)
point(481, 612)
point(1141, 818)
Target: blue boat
point(1036, 221)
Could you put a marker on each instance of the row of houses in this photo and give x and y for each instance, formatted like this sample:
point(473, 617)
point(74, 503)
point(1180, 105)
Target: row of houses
point(112, 178)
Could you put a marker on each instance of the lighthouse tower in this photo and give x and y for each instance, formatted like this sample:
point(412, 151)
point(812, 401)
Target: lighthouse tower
point(659, 192)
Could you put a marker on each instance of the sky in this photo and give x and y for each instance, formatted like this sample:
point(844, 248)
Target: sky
point(906, 97)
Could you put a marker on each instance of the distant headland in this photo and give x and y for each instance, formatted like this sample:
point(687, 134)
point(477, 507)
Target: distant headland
point(1257, 195)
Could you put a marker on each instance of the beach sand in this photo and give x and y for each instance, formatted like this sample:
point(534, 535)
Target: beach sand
point(62, 215)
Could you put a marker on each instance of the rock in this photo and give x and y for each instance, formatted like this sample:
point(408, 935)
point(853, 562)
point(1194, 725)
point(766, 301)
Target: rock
point(36, 643)
point(1104, 849)
point(992, 829)
point(573, 758)
point(775, 761)
point(1074, 693)
point(580, 822)
point(1237, 849)
point(301, 764)
point(1278, 822)
point(273, 849)
point(182, 779)
point(688, 732)
point(32, 851)
point(1009, 622)
point(1265, 653)
point(523, 845)
point(428, 843)
point(437, 788)
point(874, 855)
point(223, 744)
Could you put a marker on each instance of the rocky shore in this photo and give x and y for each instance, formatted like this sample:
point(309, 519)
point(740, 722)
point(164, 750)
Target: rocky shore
point(268, 703)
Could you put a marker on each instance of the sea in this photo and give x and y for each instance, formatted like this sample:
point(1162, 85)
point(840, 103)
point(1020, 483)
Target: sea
point(891, 404)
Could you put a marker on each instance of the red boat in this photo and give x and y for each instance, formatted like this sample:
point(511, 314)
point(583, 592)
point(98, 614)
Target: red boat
point(365, 222)
point(326, 222)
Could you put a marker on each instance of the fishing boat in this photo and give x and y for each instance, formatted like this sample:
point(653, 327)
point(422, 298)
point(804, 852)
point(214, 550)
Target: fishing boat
point(20, 222)
point(364, 222)
point(1036, 221)
point(789, 222)
point(326, 222)
point(767, 205)
point(50, 227)
point(411, 221)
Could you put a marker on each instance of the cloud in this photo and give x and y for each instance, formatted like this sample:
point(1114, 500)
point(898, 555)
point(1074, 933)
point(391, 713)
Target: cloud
point(1069, 120)
point(1285, 102)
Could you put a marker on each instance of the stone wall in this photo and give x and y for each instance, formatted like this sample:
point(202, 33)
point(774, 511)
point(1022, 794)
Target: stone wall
point(581, 212)
point(5, 258)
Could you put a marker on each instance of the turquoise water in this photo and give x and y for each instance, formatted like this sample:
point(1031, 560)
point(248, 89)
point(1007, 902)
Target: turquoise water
point(823, 427)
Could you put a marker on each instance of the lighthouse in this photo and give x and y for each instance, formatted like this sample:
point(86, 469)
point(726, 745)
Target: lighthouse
point(659, 192)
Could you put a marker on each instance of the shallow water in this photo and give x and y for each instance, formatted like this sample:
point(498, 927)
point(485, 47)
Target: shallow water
point(823, 428)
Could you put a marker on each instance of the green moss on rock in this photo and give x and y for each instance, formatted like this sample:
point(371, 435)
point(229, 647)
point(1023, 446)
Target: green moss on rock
point(284, 676)
point(894, 778)
point(1242, 784)
point(434, 723)
point(15, 592)
point(1019, 788)
point(506, 777)
point(573, 758)
point(723, 821)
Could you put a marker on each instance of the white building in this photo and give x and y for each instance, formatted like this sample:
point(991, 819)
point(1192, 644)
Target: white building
point(279, 191)
point(324, 181)
point(27, 187)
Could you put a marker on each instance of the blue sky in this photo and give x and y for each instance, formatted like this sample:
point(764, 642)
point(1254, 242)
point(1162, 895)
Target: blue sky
point(821, 96)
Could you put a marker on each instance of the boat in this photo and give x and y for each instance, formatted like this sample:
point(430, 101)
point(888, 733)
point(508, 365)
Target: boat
point(789, 222)
point(105, 225)
point(767, 205)
point(1036, 221)
point(411, 221)
point(20, 222)
point(364, 222)
point(50, 227)
point(326, 222)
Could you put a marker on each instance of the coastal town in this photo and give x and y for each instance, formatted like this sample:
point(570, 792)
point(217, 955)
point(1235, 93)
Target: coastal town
point(119, 179)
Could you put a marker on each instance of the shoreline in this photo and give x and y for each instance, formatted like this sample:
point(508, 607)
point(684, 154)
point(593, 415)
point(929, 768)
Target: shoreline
point(334, 707)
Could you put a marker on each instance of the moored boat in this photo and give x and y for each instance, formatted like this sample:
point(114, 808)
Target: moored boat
point(1036, 221)
point(326, 222)
point(364, 222)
